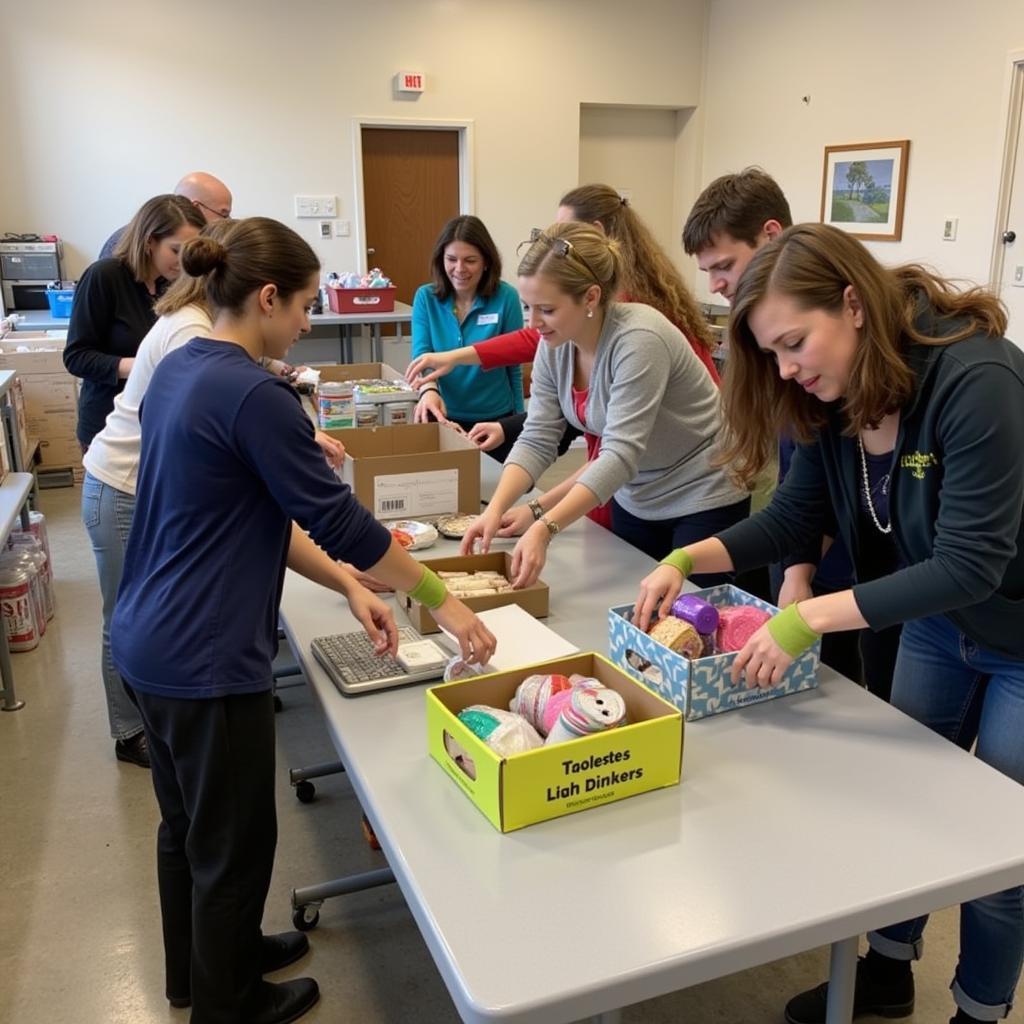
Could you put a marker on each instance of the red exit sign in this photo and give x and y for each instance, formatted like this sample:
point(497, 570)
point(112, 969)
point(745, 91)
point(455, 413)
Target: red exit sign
point(409, 81)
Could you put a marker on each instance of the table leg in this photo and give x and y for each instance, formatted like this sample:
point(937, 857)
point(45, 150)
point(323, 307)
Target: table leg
point(842, 975)
point(11, 703)
point(376, 344)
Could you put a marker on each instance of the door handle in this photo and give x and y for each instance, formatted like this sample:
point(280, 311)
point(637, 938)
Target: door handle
point(371, 252)
point(1009, 236)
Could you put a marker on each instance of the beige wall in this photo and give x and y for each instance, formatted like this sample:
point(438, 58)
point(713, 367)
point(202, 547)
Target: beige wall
point(932, 71)
point(109, 103)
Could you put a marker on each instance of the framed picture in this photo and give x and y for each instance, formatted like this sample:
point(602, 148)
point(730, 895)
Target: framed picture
point(863, 188)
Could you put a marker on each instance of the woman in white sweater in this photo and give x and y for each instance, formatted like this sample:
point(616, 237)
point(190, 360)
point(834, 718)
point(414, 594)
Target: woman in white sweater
point(112, 465)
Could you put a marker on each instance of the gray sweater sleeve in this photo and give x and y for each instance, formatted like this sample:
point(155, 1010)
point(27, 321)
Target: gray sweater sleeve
point(639, 374)
point(537, 447)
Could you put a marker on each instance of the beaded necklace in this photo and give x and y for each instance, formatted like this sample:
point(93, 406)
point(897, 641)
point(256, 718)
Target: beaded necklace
point(887, 529)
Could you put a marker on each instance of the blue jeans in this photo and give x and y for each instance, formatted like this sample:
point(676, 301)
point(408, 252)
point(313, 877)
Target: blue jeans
point(967, 693)
point(107, 515)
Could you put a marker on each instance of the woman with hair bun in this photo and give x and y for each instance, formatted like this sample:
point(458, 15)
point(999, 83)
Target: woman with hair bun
point(232, 490)
point(624, 373)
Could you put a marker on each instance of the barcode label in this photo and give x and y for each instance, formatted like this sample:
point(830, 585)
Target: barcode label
point(432, 492)
point(392, 505)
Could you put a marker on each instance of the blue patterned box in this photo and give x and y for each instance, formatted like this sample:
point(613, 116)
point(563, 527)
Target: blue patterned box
point(702, 687)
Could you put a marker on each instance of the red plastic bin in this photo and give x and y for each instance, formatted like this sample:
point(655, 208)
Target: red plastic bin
point(361, 300)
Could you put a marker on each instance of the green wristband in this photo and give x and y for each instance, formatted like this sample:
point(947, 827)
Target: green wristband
point(430, 591)
point(679, 559)
point(790, 632)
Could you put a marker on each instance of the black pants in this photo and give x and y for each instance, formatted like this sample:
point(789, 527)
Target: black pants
point(213, 773)
point(657, 537)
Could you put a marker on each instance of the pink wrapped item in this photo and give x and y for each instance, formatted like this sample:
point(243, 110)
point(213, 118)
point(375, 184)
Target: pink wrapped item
point(736, 625)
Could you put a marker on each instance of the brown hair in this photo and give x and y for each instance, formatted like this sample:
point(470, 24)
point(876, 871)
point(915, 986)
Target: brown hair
point(471, 230)
point(157, 218)
point(813, 264)
point(737, 205)
point(648, 275)
point(254, 252)
point(188, 290)
point(588, 257)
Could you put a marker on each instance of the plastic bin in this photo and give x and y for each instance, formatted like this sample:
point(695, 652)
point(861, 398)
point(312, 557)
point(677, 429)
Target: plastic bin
point(361, 300)
point(60, 300)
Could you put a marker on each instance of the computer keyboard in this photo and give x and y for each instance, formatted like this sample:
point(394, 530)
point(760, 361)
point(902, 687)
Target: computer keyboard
point(349, 659)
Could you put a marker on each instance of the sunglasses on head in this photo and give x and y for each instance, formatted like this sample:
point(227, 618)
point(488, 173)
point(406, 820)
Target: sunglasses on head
point(560, 247)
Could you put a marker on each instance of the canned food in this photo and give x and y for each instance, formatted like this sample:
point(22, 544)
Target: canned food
point(367, 415)
point(16, 604)
point(336, 406)
point(399, 413)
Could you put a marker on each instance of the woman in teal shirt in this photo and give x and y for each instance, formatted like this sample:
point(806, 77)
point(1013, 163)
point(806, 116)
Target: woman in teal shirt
point(466, 302)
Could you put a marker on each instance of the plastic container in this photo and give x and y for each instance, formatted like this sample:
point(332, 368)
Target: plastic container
point(336, 406)
point(361, 300)
point(37, 527)
point(367, 415)
point(398, 414)
point(18, 611)
point(25, 543)
point(60, 300)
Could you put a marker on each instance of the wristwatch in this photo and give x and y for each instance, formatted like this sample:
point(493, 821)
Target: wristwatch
point(534, 506)
point(553, 527)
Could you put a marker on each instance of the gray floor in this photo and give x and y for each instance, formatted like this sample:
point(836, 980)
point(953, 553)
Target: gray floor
point(79, 927)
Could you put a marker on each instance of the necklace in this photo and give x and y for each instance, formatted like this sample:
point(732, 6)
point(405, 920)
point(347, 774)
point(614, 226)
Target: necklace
point(887, 529)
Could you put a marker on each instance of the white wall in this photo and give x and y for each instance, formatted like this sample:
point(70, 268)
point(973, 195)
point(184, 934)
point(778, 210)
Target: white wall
point(932, 71)
point(108, 103)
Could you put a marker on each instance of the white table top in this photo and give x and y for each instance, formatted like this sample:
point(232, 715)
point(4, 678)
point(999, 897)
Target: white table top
point(401, 314)
point(13, 493)
point(798, 822)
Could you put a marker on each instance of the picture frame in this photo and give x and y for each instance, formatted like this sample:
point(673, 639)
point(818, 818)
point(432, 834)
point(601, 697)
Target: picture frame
point(863, 189)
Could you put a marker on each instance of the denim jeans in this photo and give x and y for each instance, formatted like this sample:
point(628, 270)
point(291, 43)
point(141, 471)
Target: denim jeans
point(967, 693)
point(107, 515)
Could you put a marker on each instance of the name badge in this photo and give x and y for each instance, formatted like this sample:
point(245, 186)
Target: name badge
point(486, 318)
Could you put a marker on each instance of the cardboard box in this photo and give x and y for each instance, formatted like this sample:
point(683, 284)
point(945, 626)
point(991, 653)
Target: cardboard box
point(359, 371)
point(5, 454)
point(17, 396)
point(422, 469)
point(534, 599)
point(549, 782)
point(701, 687)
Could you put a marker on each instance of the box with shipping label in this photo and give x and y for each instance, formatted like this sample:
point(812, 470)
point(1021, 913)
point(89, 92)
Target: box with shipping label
point(534, 599)
point(361, 300)
point(563, 778)
point(422, 469)
point(703, 686)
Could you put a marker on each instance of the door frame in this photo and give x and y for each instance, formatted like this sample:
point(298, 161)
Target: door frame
point(1013, 109)
point(467, 191)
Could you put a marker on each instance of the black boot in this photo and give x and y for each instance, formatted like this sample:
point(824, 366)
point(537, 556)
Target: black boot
point(134, 750)
point(884, 987)
point(284, 1002)
point(963, 1017)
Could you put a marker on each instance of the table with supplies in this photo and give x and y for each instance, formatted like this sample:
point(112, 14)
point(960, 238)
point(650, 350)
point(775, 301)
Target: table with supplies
point(346, 322)
point(799, 822)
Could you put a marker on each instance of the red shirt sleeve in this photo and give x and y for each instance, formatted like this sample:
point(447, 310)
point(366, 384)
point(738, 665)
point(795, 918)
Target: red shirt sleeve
point(508, 349)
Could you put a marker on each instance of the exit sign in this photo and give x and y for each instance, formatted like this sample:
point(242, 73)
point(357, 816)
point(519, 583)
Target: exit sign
point(410, 81)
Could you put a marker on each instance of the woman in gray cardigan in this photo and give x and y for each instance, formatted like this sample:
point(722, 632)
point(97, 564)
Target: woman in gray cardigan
point(621, 371)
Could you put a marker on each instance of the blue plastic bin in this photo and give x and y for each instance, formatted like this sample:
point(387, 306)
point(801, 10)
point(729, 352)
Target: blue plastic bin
point(60, 302)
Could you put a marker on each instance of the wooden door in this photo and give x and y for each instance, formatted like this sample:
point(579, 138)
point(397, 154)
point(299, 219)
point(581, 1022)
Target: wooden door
point(410, 189)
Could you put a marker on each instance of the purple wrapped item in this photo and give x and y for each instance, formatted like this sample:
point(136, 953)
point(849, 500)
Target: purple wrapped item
point(696, 611)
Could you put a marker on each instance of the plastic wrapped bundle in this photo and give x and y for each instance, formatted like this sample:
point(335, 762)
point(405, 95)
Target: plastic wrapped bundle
point(736, 625)
point(504, 732)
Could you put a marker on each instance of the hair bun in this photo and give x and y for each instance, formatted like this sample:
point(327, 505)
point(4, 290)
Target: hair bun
point(202, 255)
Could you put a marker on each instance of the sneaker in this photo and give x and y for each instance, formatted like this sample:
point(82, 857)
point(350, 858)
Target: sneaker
point(889, 999)
point(134, 750)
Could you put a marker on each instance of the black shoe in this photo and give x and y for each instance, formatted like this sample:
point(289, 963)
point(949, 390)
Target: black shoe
point(276, 952)
point(890, 999)
point(284, 1002)
point(134, 750)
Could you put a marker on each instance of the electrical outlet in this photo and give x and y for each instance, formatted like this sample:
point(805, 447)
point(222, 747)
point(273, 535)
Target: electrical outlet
point(325, 229)
point(949, 226)
point(1018, 276)
point(343, 229)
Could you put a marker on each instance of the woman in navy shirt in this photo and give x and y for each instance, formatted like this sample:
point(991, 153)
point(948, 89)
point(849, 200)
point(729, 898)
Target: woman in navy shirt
point(230, 483)
point(467, 302)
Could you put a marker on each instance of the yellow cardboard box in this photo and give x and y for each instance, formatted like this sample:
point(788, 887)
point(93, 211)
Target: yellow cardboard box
point(535, 599)
point(549, 782)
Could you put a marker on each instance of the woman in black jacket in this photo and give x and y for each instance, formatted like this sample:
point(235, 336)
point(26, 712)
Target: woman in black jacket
point(113, 307)
point(909, 406)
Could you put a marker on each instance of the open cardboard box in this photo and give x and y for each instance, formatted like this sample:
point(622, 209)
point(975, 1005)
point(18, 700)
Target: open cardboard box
point(549, 782)
point(534, 599)
point(703, 686)
point(422, 469)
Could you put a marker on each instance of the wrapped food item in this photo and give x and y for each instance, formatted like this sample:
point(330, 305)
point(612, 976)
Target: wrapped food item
point(678, 636)
point(588, 710)
point(413, 535)
point(455, 525)
point(534, 694)
point(736, 625)
point(502, 731)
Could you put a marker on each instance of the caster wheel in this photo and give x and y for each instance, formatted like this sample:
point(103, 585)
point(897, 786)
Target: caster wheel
point(277, 703)
point(306, 918)
point(305, 791)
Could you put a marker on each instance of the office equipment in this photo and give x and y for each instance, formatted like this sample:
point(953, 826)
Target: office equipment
point(26, 268)
point(354, 667)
